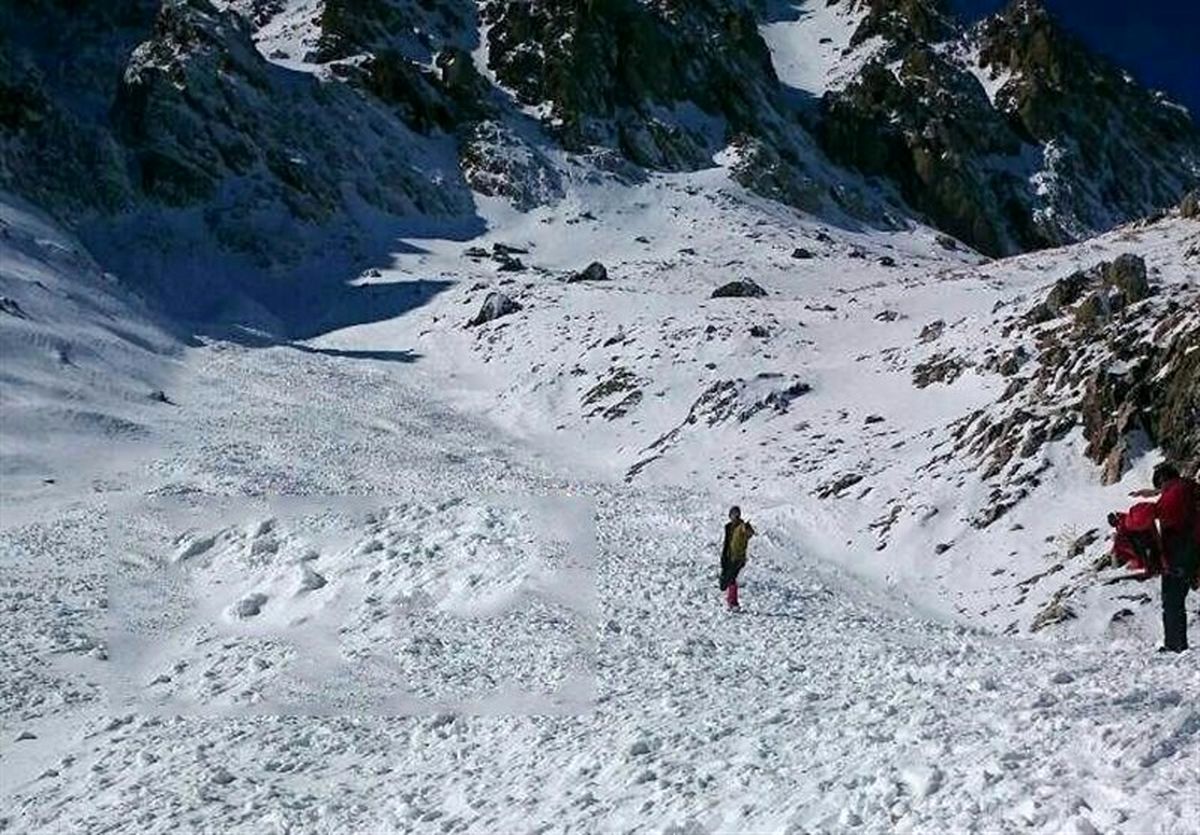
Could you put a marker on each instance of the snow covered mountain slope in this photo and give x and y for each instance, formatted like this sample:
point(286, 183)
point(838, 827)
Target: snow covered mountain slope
point(491, 311)
point(277, 133)
point(902, 399)
point(825, 707)
point(203, 173)
point(84, 362)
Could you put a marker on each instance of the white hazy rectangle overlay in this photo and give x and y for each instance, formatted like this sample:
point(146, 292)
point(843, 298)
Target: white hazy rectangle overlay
point(342, 605)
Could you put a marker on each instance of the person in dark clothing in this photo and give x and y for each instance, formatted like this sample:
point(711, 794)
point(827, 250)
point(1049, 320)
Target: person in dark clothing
point(1178, 513)
point(733, 555)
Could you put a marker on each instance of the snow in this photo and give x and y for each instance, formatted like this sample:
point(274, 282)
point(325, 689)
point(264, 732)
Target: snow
point(291, 34)
point(826, 705)
point(831, 321)
point(81, 358)
point(408, 576)
point(966, 54)
point(810, 44)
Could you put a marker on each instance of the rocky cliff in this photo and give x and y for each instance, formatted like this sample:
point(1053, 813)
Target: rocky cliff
point(1011, 134)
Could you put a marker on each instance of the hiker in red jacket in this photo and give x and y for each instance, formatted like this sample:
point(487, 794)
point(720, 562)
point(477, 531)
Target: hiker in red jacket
point(1135, 540)
point(1178, 513)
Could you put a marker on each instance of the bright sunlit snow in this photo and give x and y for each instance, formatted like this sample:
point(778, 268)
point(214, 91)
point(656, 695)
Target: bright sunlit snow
point(810, 44)
point(212, 663)
point(445, 559)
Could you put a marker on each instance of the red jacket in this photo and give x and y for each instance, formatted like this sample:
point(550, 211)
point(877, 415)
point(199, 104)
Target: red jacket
point(1134, 541)
point(1179, 516)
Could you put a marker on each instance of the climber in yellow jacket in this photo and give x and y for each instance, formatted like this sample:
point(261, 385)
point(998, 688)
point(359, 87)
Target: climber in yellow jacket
point(733, 554)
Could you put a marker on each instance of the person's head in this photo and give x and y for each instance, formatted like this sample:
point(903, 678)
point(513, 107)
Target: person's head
point(735, 513)
point(1164, 474)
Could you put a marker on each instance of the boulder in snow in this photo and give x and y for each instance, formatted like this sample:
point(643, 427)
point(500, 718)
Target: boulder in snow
point(499, 248)
point(933, 331)
point(743, 288)
point(310, 579)
point(12, 307)
point(594, 271)
point(251, 605)
point(1127, 276)
point(1189, 206)
point(496, 304)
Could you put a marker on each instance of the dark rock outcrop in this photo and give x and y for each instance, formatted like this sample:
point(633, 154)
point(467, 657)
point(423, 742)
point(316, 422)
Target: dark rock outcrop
point(594, 271)
point(613, 70)
point(743, 288)
point(930, 128)
point(940, 368)
point(415, 28)
point(1189, 206)
point(778, 174)
point(1069, 146)
point(495, 306)
point(903, 21)
point(1114, 356)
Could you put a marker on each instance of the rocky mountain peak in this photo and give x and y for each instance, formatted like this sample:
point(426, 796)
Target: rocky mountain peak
point(903, 22)
point(1013, 134)
point(1051, 72)
point(1025, 38)
point(1010, 136)
point(611, 71)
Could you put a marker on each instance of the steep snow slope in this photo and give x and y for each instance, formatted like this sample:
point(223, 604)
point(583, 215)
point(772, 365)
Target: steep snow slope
point(825, 707)
point(841, 395)
point(810, 43)
point(84, 363)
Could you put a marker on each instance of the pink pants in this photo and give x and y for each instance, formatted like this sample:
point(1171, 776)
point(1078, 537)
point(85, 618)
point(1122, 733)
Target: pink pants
point(731, 598)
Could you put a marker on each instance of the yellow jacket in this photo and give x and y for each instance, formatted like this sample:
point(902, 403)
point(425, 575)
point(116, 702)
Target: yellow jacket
point(737, 537)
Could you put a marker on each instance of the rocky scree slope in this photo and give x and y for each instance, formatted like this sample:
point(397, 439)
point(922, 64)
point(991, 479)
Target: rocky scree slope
point(1109, 352)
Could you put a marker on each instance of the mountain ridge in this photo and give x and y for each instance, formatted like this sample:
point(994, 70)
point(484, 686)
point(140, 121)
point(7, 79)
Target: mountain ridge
point(1047, 176)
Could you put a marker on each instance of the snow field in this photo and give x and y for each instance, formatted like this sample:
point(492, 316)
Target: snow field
point(404, 608)
point(810, 44)
point(826, 706)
